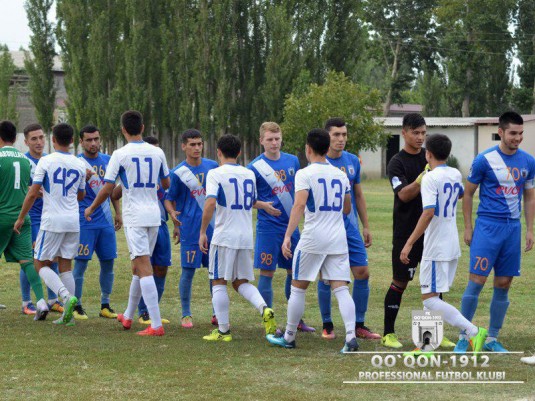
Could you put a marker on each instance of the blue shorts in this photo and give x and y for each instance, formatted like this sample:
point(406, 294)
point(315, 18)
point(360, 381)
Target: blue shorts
point(268, 253)
point(191, 256)
point(161, 255)
point(99, 240)
point(35, 231)
point(357, 251)
point(496, 244)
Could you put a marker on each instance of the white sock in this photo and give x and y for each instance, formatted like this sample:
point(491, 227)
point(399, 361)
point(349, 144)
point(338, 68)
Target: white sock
point(251, 293)
point(347, 310)
point(25, 303)
point(68, 281)
point(451, 315)
point(133, 298)
point(52, 301)
point(296, 308)
point(490, 339)
point(42, 305)
point(150, 296)
point(53, 282)
point(221, 302)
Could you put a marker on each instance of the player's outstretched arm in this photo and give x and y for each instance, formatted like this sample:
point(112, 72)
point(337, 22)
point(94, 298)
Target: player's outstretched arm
point(207, 213)
point(117, 193)
point(421, 226)
point(170, 207)
point(102, 195)
point(31, 196)
point(267, 207)
point(529, 213)
point(468, 202)
point(298, 209)
point(165, 182)
point(118, 219)
point(363, 214)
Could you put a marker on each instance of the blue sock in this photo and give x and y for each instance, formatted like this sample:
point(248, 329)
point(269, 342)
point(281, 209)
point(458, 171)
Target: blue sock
point(51, 294)
point(266, 289)
point(361, 293)
point(288, 286)
point(80, 266)
point(106, 280)
point(24, 287)
point(324, 300)
point(141, 307)
point(469, 300)
point(498, 309)
point(160, 285)
point(184, 288)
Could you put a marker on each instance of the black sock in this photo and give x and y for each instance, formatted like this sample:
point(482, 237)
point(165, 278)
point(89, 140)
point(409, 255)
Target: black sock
point(329, 326)
point(359, 325)
point(392, 303)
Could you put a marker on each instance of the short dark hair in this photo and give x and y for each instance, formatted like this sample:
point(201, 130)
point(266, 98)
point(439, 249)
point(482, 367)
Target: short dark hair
point(132, 122)
point(31, 127)
point(190, 134)
point(510, 117)
point(229, 145)
point(319, 140)
point(63, 133)
point(412, 121)
point(439, 145)
point(151, 140)
point(89, 129)
point(334, 122)
point(8, 131)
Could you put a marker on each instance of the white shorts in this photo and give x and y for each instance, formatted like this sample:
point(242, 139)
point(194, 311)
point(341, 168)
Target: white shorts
point(230, 264)
point(141, 240)
point(437, 276)
point(50, 245)
point(306, 266)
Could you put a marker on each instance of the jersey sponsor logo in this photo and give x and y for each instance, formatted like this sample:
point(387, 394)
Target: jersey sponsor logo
point(505, 190)
point(194, 193)
point(281, 189)
point(395, 182)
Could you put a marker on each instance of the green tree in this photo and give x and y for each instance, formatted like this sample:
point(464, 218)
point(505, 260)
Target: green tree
point(525, 40)
point(337, 97)
point(40, 61)
point(8, 92)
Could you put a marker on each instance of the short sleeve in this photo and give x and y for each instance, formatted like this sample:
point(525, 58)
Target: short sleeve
point(356, 163)
point(112, 171)
point(81, 185)
point(396, 175)
point(429, 191)
point(40, 171)
point(301, 181)
point(530, 179)
point(478, 169)
point(212, 185)
point(174, 190)
point(346, 184)
point(297, 165)
point(164, 170)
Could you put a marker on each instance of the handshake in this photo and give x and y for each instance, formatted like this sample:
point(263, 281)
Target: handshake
point(421, 176)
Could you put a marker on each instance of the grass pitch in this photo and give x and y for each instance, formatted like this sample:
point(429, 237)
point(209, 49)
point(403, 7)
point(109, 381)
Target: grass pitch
point(96, 359)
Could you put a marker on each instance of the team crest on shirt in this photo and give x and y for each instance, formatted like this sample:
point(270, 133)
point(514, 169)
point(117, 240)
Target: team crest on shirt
point(291, 171)
point(351, 170)
point(524, 173)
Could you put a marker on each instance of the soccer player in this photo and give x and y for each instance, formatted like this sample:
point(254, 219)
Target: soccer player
point(275, 175)
point(231, 193)
point(15, 172)
point(161, 255)
point(97, 235)
point(62, 176)
point(503, 173)
point(34, 138)
point(139, 167)
point(186, 198)
point(322, 193)
point(358, 258)
point(441, 188)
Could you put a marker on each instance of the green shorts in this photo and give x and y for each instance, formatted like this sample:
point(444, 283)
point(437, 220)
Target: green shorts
point(16, 247)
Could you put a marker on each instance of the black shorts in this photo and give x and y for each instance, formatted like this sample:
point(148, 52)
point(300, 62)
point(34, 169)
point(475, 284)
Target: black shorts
point(400, 271)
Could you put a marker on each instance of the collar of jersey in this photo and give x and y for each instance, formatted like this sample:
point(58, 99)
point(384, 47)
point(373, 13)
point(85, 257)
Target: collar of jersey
point(138, 141)
point(320, 163)
point(232, 164)
point(442, 165)
point(65, 153)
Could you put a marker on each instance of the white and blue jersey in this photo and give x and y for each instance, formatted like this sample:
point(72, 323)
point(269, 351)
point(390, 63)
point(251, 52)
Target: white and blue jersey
point(102, 216)
point(497, 233)
point(502, 179)
point(37, 208)
point(350, 165)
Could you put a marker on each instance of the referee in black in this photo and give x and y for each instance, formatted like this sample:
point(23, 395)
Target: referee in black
point(405, 171)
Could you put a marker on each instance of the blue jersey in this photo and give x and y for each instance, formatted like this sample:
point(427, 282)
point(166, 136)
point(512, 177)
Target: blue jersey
point(349, 164)
point(37, 208)
point(502, 179)
point(275, 182)
point(102, 216)
point(188, 190)
point(161, 197)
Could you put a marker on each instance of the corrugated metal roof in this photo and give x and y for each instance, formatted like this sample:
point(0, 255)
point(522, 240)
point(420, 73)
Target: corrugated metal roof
point(18, 59)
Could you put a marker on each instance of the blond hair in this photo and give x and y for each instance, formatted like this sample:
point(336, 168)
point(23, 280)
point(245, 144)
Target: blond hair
point(269, 126)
